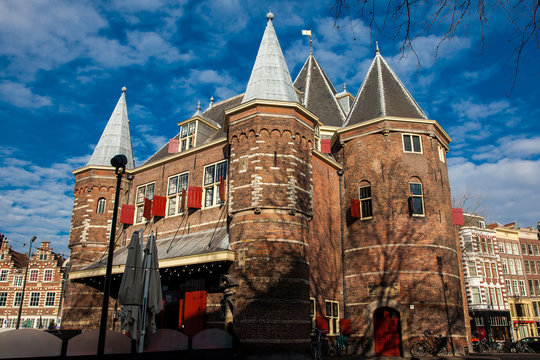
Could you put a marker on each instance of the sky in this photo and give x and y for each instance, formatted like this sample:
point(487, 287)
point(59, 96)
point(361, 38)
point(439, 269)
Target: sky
point(63, 64)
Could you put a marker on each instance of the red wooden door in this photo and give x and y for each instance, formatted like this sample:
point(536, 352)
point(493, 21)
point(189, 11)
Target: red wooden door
point(387, 332)
point(194, 312)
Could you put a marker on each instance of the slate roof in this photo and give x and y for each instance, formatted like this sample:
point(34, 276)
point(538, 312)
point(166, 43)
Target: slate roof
point(116, 138)
point(189, 244)
point(382, 94)
point(319, 95)
point(270, 78)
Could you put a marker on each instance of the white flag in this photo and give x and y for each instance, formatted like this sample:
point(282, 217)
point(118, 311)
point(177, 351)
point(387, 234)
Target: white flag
point(306, 32)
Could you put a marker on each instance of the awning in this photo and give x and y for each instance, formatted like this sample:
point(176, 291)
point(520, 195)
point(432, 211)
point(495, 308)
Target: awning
point(195, 248)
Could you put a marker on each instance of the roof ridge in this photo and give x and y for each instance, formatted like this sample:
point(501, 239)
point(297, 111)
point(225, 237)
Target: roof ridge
point(359, 93)
point(330, 88)
point(308, 81)
point(381, 84)
point(222, 101)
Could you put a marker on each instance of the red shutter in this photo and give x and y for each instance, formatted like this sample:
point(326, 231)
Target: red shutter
point(194, 198)
point(147, 212)
point(180, 313)
point(355, 208)
point(183, 200)
point(194, 312)
point(173, 146)
point(457, 216)
point(126, 214)
point(322, 323)
point(158, 206)
point(222, 188)
point(325, 146)
point(345, 327)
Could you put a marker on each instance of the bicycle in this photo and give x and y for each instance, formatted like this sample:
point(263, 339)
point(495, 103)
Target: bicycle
point(521, 347)
point(481, 346)
point(430, 344)
point(316, 344)
point(341, 345)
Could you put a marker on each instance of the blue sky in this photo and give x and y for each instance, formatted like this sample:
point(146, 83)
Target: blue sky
point(63, 63)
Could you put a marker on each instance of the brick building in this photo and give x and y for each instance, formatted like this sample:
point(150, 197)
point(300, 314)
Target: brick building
point(282, 208)
point(484, 280)
point(43, 293)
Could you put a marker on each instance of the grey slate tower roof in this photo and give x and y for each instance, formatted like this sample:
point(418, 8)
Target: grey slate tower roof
point(319, 93)
point(270, 78)
point(116, 138)
point(382, 94)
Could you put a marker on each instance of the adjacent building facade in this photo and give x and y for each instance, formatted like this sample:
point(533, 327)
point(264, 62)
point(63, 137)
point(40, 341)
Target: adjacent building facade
point(42, 303)
point(283, 208)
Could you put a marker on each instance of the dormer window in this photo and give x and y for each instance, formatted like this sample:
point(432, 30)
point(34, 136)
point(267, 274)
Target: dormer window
point(187, 136)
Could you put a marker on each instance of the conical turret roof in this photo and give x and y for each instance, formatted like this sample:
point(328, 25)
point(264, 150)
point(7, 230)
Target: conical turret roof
point(116, 138)
point(319, 93)
point(382, 94)
point(270, 78)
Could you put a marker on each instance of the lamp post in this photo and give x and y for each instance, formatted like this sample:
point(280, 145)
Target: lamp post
point(24, 283)
point(119, 162)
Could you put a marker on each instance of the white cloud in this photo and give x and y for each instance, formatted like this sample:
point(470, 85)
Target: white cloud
point(21, 96)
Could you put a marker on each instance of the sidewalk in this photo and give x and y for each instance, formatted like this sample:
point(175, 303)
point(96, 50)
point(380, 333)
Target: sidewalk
point(483, 356)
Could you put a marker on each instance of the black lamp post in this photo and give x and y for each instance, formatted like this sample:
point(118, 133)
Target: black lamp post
point(24, 284)
point(119, 162)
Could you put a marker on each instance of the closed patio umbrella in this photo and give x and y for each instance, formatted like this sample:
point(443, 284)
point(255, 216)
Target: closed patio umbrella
point(130, 292)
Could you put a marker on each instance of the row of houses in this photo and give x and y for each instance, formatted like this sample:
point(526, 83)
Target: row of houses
point(501, 266)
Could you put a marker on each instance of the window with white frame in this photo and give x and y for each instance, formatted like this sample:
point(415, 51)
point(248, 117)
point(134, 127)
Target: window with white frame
point(177, 183)
point(48, 275)
point(212, 176)
point(487, 267)
point(33, 275)
point(533, 267)
point(143, 191)
point(512, 266)
point(509, 248)
point(519, 269)
point(441, 153)
point(522, 290)
point(312, 313)
point(535, 250)
point(417, 199)
point(187, 136)
point(3, 298)
point(467, 243)
point(49, 298)
point(527, 267)
point(42, 257)
point(516, 249)
point(493, 296)
point(531, 287)
point(365, 201)
point(538, 266)
point(508, 287)
point(100, 209)
point(18, 280)
point(505, 266)
point(332, 313)
point(412, 143)
point(529, 246)
point(501, 248)
point(537, 287)
point(471, 265)
point(4, 274)
point(34, 299)
point(523, 248)
point(490, 246)
point(476, 299)
point(17, 298)
point(494, 271)
point(500, 297)
point(515, 287)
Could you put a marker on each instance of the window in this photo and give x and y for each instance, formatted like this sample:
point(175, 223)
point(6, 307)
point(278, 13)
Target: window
point(417, 199)
point(144, 191)
point(17, 299)
point(476, 299)
point(467, 243)
point(490, 246)
point(493, 297)
point(441, 153)
point(488, 298)
point(3, 298)
point(519, 269)
point(537, 287)
point(527, 267)
point(533, 266)
point(4, 274)
point(536, 250)
point(42, 257)
point(509, 249)
point(412, 143)
point(33, 275)
point(472, 268)
point(530, 250)
point(538, 266)
point(523, 248)
point(48, 274)
point(508, 287)
point(501, 248)
point(531, 288)
point(515, 287)
point(365, 202)
point(2, 256)
point(499, 297)
point(49, 299)
point(516, 249)
point(212, 175)
point(100, 209)
point(505, 266)
point(523, 292)
point(332, 313)
point(18, 280)
point(484, 245)
point(481, 224)
point(535, 308)
point(177, 183)
point(312, 313)
point(488, 270)
point(512, 267)
point(34, 299)
point(494, 271)
point(187, 135)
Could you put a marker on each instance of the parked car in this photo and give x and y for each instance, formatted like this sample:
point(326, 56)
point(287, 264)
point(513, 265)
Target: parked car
point(533, 343)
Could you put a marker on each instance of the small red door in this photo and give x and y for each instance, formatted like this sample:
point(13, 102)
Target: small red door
point(194, 312)
point(387, 332)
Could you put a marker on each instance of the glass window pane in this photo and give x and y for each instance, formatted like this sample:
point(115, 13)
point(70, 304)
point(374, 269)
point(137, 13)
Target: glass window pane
point(416, 189)
point(209, 196)
point(335, 309)
point(221, 171)
point(173, 185)
point(183, 182)
point(191, 128)
point(184, 131)
point(209, 175)
point(140, 194)
point(417, 206)
point(407, 142)
point(416, 144)
point(366, 208)
point(172, 206)
point(328, 309)
point(150, 191)
point(365, 192)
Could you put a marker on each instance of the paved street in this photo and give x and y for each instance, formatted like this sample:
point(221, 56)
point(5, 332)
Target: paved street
point(485, 356)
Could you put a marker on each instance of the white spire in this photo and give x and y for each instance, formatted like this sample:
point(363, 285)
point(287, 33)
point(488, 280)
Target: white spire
point(270, 78)
point(116, 138)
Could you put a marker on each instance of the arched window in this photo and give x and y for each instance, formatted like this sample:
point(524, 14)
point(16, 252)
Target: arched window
point(416, 198)
point(366, 211)
point(101, 206)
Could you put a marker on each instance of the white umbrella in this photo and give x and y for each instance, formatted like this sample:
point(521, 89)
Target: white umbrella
point(152, 295)
point(130, 290)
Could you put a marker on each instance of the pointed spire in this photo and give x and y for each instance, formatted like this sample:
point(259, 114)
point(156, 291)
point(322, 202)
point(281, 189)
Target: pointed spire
point(116, 138)
point(382, 94)
point(270, 78)
point(211, 102)
point(377, 51)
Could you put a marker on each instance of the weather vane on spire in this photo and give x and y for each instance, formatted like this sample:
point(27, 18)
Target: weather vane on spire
point(308, 33)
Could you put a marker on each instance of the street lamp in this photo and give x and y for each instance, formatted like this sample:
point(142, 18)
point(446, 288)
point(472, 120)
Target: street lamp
point(24, 283)
point(119, 162)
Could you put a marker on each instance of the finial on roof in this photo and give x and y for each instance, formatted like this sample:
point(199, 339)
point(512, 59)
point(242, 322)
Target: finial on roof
point(199, 105)
point(269, 16)
point(124, 89)
point(377, 47)
point(344, 87)
point(211, 102)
